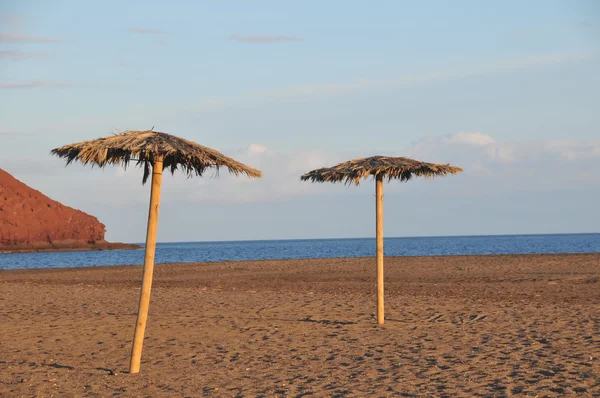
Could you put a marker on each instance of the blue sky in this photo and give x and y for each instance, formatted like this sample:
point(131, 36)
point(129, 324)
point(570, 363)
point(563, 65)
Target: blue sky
point(507, 90)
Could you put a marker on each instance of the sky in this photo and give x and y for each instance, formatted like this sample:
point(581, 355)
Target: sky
point(509, 91)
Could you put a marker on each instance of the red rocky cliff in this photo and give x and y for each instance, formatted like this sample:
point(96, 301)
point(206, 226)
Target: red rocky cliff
point(29, 220)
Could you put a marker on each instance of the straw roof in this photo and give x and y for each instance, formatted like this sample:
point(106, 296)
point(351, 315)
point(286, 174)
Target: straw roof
point(404, 169)
point(143, 147)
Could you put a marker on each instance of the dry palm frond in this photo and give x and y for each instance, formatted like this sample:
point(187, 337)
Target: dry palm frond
point(404, 169)
point(143, 147)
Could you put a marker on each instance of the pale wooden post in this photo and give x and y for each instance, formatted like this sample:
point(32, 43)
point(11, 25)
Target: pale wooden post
point(140, 326)
point(379, 226)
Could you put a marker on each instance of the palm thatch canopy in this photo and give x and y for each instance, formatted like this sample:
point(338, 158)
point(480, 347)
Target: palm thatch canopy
point(143, 147)
point(404, 169)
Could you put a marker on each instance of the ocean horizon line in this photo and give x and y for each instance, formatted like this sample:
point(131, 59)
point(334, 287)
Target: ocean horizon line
point(372, 237)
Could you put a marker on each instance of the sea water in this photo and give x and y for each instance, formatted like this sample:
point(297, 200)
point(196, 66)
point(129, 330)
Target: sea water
point(180, 252)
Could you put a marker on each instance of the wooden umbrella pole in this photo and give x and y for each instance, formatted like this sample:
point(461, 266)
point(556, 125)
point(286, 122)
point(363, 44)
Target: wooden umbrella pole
point(379, 226)
point(140, 326)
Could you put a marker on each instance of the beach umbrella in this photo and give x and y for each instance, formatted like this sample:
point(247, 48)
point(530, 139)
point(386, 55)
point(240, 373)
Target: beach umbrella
point(155, 152)
point(380, 167)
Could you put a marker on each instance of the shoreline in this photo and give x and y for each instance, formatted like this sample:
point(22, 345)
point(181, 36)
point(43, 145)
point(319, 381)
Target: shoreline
point(303, 259)
point(70, 248)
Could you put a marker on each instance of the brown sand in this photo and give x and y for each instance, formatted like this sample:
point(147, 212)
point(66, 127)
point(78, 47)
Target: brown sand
point(456, 326)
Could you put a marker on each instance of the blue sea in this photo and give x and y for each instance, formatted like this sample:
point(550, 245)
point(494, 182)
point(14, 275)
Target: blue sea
point(311, 248)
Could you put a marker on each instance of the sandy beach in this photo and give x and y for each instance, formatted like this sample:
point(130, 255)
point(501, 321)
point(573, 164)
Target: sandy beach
point(456, 326)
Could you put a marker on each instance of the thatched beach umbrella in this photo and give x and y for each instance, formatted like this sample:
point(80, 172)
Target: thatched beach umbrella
point(156, 151)
point(380, 167)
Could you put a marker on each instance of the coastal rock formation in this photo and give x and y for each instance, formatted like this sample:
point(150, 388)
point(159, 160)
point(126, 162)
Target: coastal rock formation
point(30, 221)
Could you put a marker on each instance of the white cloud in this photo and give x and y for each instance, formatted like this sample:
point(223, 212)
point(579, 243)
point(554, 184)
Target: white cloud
point(308, 90)
point(34, 84)
point(505, 154)
point(476, 138)
point(491, 166)
point(495, 167)
point(17, 35)
point(478, 168)
point(256, 148)
point(574, 150)
point(22, 38)
point(281, 177)
point(499, 66)
point(22, 55)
